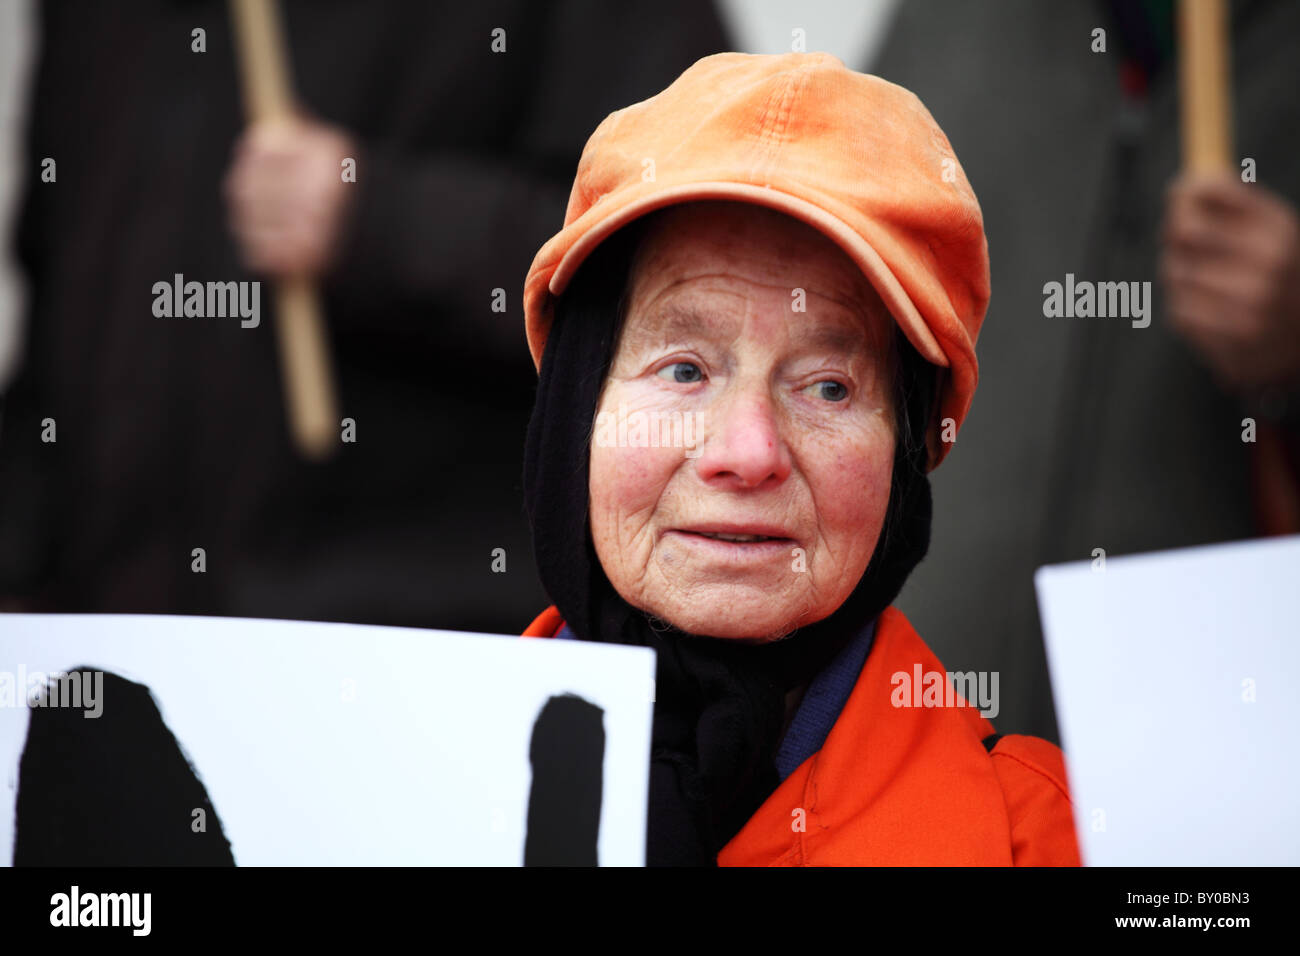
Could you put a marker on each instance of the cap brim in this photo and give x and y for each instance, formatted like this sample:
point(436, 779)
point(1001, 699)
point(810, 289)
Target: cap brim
point(866, 258)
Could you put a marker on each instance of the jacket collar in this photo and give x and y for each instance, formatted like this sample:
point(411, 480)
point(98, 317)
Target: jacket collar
point(892, 785)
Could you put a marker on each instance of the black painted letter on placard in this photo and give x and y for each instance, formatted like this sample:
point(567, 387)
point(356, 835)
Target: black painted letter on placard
point(114, 790)
point(568, 756)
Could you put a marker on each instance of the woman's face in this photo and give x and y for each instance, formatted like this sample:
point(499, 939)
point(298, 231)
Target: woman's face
point(744, 441)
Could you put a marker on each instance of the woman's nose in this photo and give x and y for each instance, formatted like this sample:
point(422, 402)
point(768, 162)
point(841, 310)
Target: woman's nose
point(743, 444)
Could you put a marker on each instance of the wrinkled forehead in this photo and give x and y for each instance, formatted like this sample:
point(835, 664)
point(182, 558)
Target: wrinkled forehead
point(698, 266)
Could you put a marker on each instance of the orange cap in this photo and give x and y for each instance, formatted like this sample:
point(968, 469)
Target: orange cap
point(851, 155)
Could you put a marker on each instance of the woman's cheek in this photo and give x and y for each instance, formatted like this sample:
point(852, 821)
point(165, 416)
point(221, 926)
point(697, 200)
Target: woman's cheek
point(628, 476)
point(851, 484)
point(623, 485)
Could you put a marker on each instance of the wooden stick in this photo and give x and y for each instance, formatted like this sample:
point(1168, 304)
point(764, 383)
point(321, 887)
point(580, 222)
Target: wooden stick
point(310, 399)
point(1205, 93)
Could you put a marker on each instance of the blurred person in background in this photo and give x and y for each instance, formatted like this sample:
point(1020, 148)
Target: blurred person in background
point(130, 440)
point(1090, 433)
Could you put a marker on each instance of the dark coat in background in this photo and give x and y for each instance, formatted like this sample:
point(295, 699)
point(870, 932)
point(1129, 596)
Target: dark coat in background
point(171, 432)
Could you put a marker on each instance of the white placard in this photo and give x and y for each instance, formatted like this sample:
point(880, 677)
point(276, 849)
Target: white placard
point(1174, 679)
point(304, 733)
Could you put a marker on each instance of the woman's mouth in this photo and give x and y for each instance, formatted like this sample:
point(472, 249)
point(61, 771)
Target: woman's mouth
point(742, 538)
point(731, 543)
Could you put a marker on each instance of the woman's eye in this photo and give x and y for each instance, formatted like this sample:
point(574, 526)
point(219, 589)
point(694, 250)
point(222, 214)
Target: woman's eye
point(829, 390)
point(683, 372)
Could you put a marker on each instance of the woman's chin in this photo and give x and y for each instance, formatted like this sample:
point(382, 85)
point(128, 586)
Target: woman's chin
point(750, 617)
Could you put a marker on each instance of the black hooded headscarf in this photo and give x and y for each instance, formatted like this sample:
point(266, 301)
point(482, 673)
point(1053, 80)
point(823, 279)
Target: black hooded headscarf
point(719, 704)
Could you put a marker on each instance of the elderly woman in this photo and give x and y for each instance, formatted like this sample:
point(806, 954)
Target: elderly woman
point(755, 336)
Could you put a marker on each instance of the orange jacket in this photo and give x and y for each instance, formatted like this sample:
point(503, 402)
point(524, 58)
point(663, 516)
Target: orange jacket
point(910, 786)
